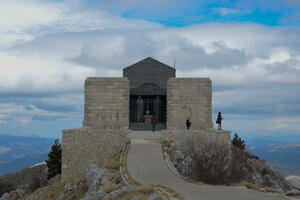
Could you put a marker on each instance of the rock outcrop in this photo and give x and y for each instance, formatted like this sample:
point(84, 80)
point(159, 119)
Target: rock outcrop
point(99, 183)
point(295, 180)
point(34, 176)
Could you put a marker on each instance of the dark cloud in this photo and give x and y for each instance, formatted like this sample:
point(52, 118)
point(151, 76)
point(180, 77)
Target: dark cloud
point(111, 52)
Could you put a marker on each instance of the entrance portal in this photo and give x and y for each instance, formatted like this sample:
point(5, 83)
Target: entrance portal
point(143, 108)
point(148, 83)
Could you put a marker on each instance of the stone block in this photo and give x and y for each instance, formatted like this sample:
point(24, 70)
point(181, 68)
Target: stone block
point(105, 100)
point(189, 97)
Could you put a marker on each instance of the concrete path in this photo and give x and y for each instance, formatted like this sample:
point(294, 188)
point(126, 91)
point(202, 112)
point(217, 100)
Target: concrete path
point(146, 165)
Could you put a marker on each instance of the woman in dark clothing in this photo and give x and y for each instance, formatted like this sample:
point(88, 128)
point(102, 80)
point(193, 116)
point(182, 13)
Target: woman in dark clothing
point(188, 124)
point(219, 121)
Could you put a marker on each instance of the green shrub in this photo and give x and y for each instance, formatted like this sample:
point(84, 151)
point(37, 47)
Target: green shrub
point(238, 142)
point(54, 161)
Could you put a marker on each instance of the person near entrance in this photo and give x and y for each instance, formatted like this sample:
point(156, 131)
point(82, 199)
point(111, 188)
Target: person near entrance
point(153, 122)
point(219, 121)
point(188, 124)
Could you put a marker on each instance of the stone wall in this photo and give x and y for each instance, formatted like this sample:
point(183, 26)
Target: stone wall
point(189, 97)
point(106, 103)
point(84, 146)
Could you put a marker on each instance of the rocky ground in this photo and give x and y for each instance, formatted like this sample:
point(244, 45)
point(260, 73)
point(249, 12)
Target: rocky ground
point(28, 179)
point(259, 173)
point(97, 184)
point(295, 180)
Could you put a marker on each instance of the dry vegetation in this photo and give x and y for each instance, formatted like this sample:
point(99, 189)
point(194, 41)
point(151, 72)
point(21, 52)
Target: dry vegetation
point(143, 192)
point(113, 163)
point(216, 164)
point(54, 190)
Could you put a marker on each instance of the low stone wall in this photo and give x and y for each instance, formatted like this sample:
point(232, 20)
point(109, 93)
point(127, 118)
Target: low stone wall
point(84, 146)
point(220, 137)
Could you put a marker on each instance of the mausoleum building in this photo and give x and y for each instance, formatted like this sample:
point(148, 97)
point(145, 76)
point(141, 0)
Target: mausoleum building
point(114, 106)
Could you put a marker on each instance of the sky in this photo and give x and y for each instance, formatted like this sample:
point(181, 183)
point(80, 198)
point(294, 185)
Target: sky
point(249, 48)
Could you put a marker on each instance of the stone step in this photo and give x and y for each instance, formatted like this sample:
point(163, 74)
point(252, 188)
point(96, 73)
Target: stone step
point(142, 126)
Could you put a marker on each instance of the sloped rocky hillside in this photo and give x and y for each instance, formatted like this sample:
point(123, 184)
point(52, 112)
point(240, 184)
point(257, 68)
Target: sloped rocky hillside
point(36, 175)
point(97, 184)
point(254, 171)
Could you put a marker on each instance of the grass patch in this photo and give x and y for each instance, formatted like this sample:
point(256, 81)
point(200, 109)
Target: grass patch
point(171, 192)
point(113, 162)
point(143, 191)
point(248, 185)
point(113, 188)
point(268, 189)
point(166, 143)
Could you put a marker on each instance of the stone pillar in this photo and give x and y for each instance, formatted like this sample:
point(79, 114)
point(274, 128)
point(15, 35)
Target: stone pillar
point(157, 107)
point(140, 109)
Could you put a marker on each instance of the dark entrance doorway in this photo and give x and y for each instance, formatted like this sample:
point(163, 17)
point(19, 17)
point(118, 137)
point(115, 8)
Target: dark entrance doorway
point(143, 108)
point(148, 90)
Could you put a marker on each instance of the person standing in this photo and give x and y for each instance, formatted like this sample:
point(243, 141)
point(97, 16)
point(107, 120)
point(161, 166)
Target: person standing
point(219, 121)
point(153, 122)
point(188, 124)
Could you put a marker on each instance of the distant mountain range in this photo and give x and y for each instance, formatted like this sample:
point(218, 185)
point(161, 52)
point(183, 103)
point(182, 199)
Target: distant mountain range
point(283, 156)
point(18, 152)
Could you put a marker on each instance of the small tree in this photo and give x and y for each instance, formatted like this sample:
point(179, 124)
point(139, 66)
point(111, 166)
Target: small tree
point(54, 161)
point(238, 142)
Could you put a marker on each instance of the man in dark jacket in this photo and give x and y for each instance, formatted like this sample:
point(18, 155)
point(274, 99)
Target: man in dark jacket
point(153, 122)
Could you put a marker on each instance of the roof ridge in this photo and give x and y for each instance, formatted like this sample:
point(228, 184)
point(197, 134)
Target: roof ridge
point(148, 59)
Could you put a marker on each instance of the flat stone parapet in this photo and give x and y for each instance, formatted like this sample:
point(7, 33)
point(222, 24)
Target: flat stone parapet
point(221, 137)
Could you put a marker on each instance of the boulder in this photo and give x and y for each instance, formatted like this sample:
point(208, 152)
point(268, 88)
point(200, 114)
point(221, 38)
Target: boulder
point(94, 177)
point(94, 195)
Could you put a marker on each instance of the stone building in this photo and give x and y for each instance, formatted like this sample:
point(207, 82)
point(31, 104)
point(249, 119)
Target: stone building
point(115, 106)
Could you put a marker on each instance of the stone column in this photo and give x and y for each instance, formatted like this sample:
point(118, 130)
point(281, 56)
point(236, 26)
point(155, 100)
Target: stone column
point(140, 109)
point(157, 107)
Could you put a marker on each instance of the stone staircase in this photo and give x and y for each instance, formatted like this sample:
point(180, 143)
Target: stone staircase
point(143, 126)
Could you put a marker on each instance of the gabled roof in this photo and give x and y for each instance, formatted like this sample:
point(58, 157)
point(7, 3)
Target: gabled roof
point(149, 62)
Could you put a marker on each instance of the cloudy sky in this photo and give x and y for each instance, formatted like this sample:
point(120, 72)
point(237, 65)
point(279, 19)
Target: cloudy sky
point(249, 48)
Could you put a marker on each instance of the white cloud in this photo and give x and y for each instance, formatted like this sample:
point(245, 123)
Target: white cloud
point(4, 149)
point(25, 135)
point(24, 114)
point(18, 19)
point(283, 146)
point(283, 124)
point(23, 120)
point(226, 11)
point(3, 122)
point(33, 74)
point(17, 15)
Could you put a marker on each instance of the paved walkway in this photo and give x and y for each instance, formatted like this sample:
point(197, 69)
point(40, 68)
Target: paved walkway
point(146, 165)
